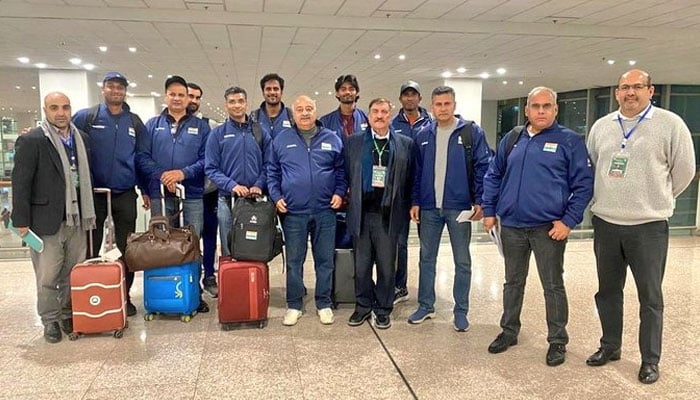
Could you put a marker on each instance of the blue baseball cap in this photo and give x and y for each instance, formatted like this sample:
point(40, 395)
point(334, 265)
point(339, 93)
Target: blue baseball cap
point(115, 76)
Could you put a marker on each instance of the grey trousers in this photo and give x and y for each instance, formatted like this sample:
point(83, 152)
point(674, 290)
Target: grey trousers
point(52, 269)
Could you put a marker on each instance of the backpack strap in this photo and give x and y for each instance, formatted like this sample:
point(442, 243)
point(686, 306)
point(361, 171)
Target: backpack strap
point(257, 133)
point(92, 115)
point(513, 137)
point(466, 134)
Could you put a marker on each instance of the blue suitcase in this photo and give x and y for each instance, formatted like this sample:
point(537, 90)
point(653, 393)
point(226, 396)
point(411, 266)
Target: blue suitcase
point(172, 290)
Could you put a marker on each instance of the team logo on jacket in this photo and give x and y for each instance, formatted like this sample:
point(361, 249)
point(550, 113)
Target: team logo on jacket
point(253, 220)
point(286, 124)
point(291, 146)
point(98, 126)
point(132, 132)
point(193, 131)
point(229, 135)
point(326, 146)
point(363, 126)
point(550, 147)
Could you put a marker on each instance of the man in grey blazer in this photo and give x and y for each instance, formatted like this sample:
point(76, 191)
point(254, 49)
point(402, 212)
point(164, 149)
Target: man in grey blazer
point(379, 165)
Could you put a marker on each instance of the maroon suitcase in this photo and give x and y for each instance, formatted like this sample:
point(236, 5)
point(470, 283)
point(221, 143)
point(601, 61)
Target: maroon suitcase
point(244, 292)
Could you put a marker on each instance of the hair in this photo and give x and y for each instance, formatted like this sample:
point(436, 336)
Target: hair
point(235, 90)
point(351, 79)
point(380, 100)
point(542, 89)
point(271, 77)
point(648, 75)
point(442, 90)
point(195, 86)
point(175, 79)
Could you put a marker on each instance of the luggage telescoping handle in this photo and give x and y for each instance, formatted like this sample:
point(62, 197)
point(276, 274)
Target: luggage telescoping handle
point(180, 193)
point(108, 192)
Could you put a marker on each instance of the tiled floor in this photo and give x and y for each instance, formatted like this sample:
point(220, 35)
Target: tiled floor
point(168, 359)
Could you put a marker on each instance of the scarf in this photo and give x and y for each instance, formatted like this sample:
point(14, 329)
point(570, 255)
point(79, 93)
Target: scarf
point(71, 195)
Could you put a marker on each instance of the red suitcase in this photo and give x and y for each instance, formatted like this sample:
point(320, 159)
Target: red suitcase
point(98, 289)
point(244, 292)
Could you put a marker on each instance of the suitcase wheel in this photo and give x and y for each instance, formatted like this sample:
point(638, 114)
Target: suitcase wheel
point(73, 336)
point(185, 318)
point(149, 317)
point(262, 324)
point(118, 334)
point(226, 327)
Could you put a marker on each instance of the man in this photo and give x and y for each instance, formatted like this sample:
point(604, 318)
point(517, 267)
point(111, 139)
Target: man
point(235, 161)
point(379, 170)
point(52, 196)
point(644, 159)
point(272, 115)
point(347, 119)
point(114, 133)
point(410, 120)
point(209, 203)
point(539, 189)
point(306, 180)
point(174, 153)
point(442, 190)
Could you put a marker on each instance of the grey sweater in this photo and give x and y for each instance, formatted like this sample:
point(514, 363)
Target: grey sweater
point(661, 165)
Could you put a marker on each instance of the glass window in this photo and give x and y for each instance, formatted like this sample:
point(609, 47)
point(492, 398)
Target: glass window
point(508, 111)
point(572, 114)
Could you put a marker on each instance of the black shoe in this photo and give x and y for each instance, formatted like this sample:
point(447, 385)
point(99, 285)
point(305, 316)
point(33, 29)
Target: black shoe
point(130, 309)
point(382, 321)
point(556, 355)
point(357, 319)
point(203, 307)
point(602, 356)
point(502, 343)
point(67, 325)
point(52, 333)
point(648, 373)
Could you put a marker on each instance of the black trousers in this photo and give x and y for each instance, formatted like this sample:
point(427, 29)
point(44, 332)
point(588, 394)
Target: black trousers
point(124, 215)
point(374, 246)
point(644, 248)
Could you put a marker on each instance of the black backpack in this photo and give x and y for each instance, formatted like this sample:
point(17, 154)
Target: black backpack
point(255, 232)
point(94, 110)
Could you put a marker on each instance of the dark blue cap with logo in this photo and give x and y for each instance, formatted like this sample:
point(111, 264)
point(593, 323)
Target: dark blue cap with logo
point(115, 76)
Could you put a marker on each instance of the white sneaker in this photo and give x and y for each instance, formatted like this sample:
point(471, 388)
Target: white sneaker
point(291, 317)
point(326, 316)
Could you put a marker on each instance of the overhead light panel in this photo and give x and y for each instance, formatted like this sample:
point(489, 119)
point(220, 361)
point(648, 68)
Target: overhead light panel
point(75, 61)
point(501, 71)
point(150, 76)
point(23, 60)
point(103, 49)
point(611, 62)
point(484, 75)
point(89, 67)
point(377, 56)
point(520, 82)
point(632, 62)
point(461, 70)
point(505, 82)
point(132, 84)
point(40, 65)
point(132, 49)
point(446, 74)
point(402, 57)
point(18, 87)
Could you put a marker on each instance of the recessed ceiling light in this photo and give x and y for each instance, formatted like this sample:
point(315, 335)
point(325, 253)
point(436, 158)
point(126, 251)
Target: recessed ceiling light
point(129, 94)
point(40, 65)
point(89, 67)
point(402, 57)
point(155, 94)
point(169, 76)
point(316, 93)
point(505, 82)
point(484, 75)
point(103, 48)
point(520, 82)
point(132, 49)
point(150, 76)
point(23, 60)
point(501, 71)
point(33, 87)
point(632, 62)
point(132, 84)
point(75, 61)
point(377, 56)
point(461, 70)
point(330, 93)
point(446, 74)
point(99, 84)
point(18, 87)
point(11, 109)
point(611, 62)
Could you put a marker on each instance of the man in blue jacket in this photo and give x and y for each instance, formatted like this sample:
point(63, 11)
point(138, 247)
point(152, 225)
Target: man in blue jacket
point(379, 164)
point(347, 119)
point(411, 119)
point(235, 160)
point(442, 192)
point(306, 180)
point(539, 187)
point(272, 115)
point(114, 133)
point(174, 153)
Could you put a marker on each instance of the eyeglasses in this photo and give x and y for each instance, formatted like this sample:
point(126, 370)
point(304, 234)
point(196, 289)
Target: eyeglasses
point(636, 87)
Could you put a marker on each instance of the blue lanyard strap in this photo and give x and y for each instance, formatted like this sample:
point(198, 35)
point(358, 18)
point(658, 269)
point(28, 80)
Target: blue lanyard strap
point(69, 143)
point(626, 135)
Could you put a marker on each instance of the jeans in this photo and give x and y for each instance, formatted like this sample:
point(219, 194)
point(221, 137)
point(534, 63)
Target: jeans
point(518, 244)
point(210, 223)
point(52, 267)
point(644, 248)
point(432, 223)
point(223, 214)
point(374, 246)
point(321, 227)
point(192, 209)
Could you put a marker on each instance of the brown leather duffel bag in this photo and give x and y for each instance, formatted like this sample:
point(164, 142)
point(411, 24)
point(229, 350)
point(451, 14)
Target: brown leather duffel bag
point(161, 246)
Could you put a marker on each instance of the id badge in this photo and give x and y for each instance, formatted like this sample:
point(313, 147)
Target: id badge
point(75, 177)
point(378, 175)
point(618, 165)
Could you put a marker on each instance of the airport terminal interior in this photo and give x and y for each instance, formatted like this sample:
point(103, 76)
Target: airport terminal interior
point(497, 49)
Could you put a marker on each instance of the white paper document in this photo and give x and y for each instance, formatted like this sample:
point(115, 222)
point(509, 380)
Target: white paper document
point(495, 234)
point(466, 215)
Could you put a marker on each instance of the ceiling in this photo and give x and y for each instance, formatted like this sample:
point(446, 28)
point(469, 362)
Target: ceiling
point(564, 44)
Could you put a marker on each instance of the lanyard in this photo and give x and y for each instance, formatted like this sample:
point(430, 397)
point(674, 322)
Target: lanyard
point(69, 144)
point(627, 135)
point(380, 152)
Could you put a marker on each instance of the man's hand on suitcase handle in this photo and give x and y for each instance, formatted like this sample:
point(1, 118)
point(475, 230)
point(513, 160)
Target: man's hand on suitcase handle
point(171, 178)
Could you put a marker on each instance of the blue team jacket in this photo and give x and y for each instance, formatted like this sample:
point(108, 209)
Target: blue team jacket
point(545, 178)
point(334, 122)
point(456, 195)
point(234, 157)
point(113, 143)
point(306, 177)
point(183, 150)
point(401, 125)
point(283, 120)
